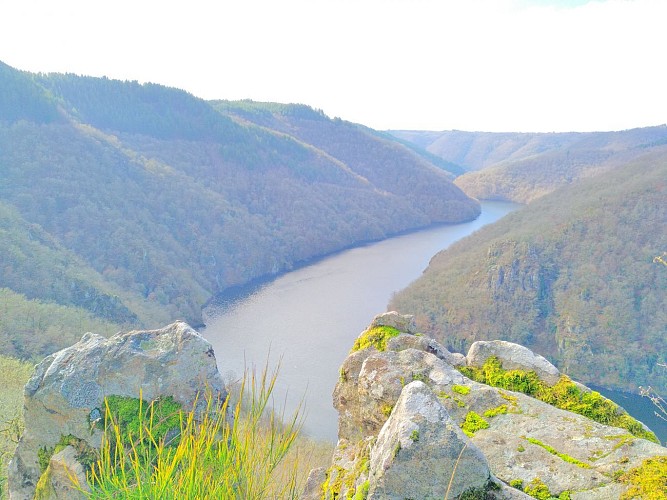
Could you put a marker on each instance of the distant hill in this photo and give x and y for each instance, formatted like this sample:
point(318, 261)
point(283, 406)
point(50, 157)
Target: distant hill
point(522, 167)
point(572, 276)
point(136, 202)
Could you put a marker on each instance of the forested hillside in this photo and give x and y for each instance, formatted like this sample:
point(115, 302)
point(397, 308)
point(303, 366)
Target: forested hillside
point(522, 167)
point(572, 276)
point(134, 203)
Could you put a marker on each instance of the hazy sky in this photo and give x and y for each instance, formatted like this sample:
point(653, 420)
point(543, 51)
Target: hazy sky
point(492, 65)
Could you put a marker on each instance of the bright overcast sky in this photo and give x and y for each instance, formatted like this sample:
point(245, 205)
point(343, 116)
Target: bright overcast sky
point(491, 65)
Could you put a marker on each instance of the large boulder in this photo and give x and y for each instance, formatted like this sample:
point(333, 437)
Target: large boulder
point(402, 322)
point(513, 357)
point(422, 453)
point(65, 396)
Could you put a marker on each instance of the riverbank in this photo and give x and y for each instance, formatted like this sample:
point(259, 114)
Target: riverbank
point(309, 318)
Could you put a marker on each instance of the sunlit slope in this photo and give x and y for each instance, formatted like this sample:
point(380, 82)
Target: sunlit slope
point(159, 200)
point(522, 167)
point(571, 276)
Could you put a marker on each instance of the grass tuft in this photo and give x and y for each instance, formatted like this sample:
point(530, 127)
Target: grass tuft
point(209, 457)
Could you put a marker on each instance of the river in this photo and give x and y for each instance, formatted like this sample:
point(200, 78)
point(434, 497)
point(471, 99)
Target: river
point(309, 318)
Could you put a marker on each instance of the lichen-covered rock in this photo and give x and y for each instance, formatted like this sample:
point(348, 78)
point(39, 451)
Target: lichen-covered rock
point(65, 395)
point(512, 356)
point(523, 440)
point(422, 453)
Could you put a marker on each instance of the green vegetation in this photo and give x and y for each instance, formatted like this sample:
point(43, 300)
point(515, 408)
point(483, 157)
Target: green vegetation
point(517, 483)
point(464, 390)
point(209, 457)
point(14, 375)
point(136, 203)
point(494, 412)
point(130, 414)
point(480, 492)
point(560, 455)
point(472, 423)
point(414, 435)
point(522, 167)
point(647, 481)
point(386, 409)
point(564, 395)
point(31, 329)
point(375, 337)
point(422, 377)
point(537, 489)
point(571, 277)
point(362, 491)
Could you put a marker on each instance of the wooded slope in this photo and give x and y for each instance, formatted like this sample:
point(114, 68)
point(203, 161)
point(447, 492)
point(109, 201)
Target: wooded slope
point(522, 167)
point(572, 276)
point(137, 202)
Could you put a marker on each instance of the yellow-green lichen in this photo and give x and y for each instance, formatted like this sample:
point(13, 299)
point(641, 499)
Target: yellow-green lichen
point(375, 337)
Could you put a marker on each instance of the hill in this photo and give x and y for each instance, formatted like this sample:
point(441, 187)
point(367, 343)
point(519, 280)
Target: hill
point(571, 276)
point(137, 202)
point(522, 167)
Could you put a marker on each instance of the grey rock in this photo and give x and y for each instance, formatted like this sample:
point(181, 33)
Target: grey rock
point(403, 323)
point(69, 387)
point(365, 398)
point(512, 356)
point(426, 344)
point(313, 488)
point(421, 453)
point(58, 483)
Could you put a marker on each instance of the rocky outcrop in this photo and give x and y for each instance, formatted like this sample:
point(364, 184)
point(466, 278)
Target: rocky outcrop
point(513, 357)
point(406, 409)
point(65, 396)
point(418, 449)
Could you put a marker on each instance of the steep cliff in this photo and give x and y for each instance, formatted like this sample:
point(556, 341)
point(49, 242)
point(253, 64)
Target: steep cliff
point(415, 421)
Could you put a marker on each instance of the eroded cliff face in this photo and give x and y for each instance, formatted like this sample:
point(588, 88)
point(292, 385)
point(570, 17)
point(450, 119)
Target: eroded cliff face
point(65, 398)
point(413, 425)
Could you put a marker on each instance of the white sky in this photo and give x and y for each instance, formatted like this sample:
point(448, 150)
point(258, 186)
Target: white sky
point(491, 65)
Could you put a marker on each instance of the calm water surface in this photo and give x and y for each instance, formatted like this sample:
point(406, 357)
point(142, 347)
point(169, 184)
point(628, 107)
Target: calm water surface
point(310, 317)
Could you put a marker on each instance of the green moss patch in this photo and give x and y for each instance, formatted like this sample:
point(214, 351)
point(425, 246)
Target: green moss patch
point(493, 412)
point(85, 454)
point(375, 337)
point(562, 456)
point(648, 480)
point(564, 395)
point(132, 414)
point(461, 389)
point(472, 423)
